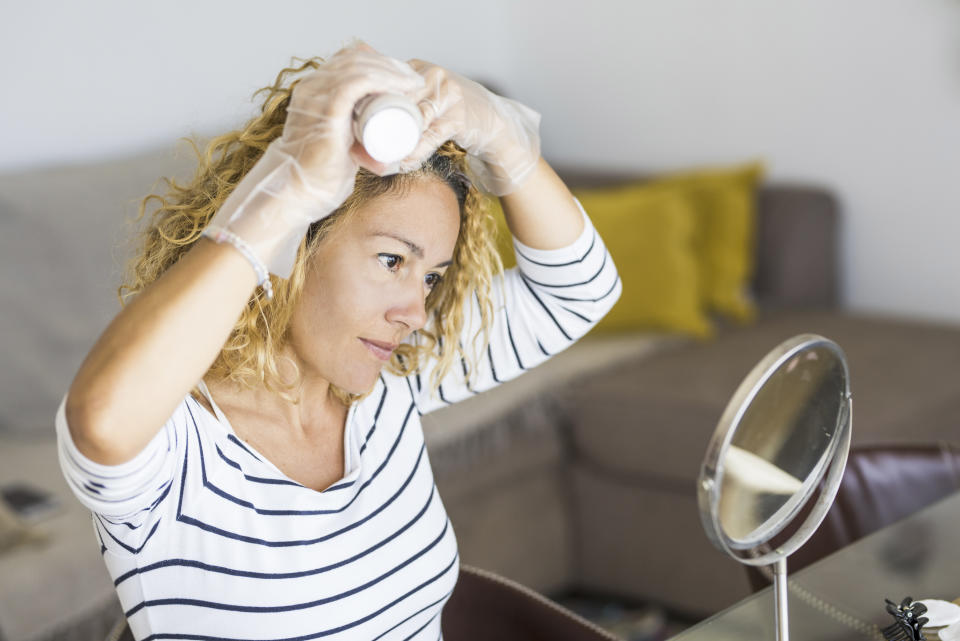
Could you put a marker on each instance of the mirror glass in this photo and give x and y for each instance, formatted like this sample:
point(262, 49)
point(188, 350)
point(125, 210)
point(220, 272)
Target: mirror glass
point(781, 445)
point(783, 433)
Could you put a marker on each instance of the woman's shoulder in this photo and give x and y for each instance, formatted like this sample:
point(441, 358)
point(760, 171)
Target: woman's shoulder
point(195, 416)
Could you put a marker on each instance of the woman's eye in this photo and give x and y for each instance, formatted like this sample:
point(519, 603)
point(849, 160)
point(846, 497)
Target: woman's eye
point(433, 279)
point(390, 261)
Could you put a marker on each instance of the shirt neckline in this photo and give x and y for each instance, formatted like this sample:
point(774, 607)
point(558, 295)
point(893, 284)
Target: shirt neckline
point(350, 457)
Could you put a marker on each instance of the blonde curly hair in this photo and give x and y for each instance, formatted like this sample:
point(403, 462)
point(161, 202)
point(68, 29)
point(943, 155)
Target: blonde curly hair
point(250, 355)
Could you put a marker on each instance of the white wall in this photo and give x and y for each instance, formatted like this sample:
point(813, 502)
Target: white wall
point(859, 95)
point(104, 77)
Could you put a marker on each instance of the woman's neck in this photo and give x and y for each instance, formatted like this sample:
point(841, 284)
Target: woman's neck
point(317, 411)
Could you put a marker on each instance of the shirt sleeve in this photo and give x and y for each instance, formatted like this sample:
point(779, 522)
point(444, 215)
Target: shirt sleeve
point(541, 307)
point(125, 499)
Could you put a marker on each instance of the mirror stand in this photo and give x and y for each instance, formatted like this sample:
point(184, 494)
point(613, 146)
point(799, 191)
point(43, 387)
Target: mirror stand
point(775, 460)
point(780, 599)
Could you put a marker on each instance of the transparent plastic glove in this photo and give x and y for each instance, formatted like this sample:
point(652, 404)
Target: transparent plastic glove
point(500, 135)
point(309, 171)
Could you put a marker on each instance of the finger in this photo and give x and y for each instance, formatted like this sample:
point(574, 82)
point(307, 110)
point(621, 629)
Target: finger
point(364, 66)
point(431, 139)
point(438, 120)
point(375, 68)
point(354, 44)
point(360, 45)
point(429, 109)
point(349, 88)
point(434, 77)
point(435, 98)
point(418, 65)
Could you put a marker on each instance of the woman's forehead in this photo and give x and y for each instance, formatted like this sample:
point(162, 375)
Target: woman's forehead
point(428, 209)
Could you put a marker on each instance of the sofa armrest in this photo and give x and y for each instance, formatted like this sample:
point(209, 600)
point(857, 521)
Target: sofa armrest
point(797, 245)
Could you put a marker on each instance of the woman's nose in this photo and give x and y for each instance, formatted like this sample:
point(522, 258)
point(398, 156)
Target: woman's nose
point(410, 308)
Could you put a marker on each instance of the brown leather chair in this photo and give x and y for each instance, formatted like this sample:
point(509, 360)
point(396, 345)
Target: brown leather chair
point(487, 606)
point(882, 484)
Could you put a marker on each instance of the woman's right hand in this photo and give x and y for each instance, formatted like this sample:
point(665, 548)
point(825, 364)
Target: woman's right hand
point(319, 125)
point(309, 171)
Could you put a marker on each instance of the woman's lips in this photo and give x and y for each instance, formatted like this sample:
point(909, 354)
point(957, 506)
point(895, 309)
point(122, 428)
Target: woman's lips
point(383, 351)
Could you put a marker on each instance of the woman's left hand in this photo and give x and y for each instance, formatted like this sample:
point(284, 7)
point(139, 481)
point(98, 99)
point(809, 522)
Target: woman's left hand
point(500, 135)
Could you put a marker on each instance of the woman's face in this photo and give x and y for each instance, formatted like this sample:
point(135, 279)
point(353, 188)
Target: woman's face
point(366, 287)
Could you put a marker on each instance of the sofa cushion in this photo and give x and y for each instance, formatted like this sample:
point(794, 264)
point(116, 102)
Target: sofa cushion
point(797, 247)
point(500, 458)
point(650, 234)
point(651, 418)
point(461, 433)
point(724, 201)
point(62, 234)
point(646, 543)
point(796, 238)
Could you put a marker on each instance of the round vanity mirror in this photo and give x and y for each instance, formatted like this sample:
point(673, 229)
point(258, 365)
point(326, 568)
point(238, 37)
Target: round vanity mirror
point(776, 458)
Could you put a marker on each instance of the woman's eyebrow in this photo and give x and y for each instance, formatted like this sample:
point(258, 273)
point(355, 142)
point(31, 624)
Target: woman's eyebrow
point(416, 249)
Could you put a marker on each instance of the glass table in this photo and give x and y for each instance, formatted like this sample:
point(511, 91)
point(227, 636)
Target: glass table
point(841, 596)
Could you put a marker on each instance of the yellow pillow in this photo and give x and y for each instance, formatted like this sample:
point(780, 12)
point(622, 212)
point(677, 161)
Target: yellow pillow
point(724, 241)
point(649, 233)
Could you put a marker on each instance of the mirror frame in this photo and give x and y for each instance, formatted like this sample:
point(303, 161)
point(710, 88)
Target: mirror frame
point(711, 471)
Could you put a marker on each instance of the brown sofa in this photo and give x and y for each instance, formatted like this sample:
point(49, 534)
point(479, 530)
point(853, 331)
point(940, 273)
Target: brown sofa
point(578, 475)
point(585, 481)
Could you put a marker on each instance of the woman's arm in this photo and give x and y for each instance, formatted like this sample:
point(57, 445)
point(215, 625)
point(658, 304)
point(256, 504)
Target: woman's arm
point(564, 281)
point(155, 351)
point(504, 136)
point(158, 347)
point(541, 212)
point(549, 300)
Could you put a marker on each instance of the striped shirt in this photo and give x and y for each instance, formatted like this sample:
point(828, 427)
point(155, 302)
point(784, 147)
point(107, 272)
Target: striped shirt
point(206, 539)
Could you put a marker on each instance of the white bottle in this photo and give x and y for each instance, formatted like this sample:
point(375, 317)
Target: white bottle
point(388, 126)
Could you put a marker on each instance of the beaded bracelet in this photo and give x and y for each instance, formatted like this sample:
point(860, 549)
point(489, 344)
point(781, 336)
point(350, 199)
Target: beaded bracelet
point(220, 235)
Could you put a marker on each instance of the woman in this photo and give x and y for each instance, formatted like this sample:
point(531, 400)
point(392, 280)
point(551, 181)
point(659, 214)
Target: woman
point(250, 445)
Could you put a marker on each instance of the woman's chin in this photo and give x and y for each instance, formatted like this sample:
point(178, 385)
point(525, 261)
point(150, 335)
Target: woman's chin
point(360, 387)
